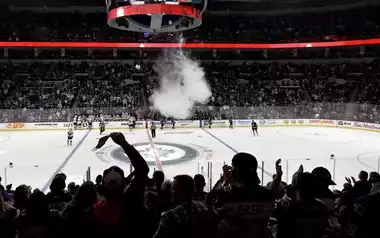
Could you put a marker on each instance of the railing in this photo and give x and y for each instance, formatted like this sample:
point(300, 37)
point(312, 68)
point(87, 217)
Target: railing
point(363, 112)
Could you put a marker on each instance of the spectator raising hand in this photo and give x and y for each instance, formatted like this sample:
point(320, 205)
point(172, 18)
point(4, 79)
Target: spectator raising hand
point(123, 210)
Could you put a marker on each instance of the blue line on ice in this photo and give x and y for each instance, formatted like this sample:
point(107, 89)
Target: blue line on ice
point(63, 164)
point(231, 148)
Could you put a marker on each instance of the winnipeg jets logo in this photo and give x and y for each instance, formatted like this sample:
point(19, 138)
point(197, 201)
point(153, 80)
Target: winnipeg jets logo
point(168, 153)
point(162, 152)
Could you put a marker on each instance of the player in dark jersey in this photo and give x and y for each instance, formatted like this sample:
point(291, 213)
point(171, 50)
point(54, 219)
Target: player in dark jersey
point(173, 123)
point(153, 130)
point(231, 123)
point(162, 123)
point(102, 127)
point(70, 136)
point(254, 128)
point(134, 122)
point(209, 122)
point(244, 207)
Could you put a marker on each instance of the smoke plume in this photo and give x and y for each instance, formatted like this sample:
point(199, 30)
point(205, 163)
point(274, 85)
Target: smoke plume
point(181, 85)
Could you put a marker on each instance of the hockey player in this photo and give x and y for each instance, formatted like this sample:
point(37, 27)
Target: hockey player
point(130, 123)
point(162, 123)
point(79, 122)
point(231, 124)
point(75, 122)
point(90, 123)
point(173, 123)
point(102, 126)
point(254, 128)
point(70, 135)
point(209, 122)
point(134, 122)
point(153, 129)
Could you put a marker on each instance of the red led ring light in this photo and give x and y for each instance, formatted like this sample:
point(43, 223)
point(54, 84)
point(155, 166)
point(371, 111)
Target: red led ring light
point(156, 11)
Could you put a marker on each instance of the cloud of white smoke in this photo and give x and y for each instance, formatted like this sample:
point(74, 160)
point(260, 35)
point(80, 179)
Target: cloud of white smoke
point(182, 84)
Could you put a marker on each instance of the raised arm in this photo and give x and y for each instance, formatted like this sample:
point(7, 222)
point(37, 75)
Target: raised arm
point(136, 189)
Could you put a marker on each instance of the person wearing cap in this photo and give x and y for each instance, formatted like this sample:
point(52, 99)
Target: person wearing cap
point(326, 195)
point(122, 212)
point(305, 216)
point(243, 207)
point(324, 179)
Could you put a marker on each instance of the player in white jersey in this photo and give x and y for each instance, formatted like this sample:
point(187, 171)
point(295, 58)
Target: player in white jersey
point(75, 122)
point(79, 122)
point(70, 136)
point(89, 120)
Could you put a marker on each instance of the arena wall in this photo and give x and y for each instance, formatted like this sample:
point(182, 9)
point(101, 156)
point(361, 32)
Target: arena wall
point(198, 124)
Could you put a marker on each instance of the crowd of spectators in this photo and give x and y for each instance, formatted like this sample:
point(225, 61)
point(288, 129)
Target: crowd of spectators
point(110, 85)
point(47, 91)
point(278, 89)
point(134, 205)
point(348, 24)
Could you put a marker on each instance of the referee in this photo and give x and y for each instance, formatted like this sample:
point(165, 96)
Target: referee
point(153, 130)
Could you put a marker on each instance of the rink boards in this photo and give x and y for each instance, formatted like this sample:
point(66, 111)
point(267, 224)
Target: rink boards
point(198, 124)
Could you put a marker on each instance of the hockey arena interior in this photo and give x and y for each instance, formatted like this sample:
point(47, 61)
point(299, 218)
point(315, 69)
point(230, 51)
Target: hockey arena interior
point(198, 118)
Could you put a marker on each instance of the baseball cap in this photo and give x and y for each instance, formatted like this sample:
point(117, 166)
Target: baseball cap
point(306, 180)
point(244, 161)
point(323, 174)
point(306, 184)
point(247, 164)
point(113, 178)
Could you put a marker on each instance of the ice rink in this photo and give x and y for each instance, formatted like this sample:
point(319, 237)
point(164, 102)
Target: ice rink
point(38, 155)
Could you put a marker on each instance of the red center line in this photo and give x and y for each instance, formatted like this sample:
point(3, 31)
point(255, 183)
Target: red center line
point(153, 147)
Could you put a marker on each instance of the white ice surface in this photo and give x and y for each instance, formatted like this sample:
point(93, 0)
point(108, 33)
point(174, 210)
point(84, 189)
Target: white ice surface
point(36, 156)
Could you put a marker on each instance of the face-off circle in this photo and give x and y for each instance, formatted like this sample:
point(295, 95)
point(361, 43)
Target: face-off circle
point(168, 153)
point(4, 139)
point(155, 18)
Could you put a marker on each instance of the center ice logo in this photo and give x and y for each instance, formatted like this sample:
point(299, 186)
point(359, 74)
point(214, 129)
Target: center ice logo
point(162, 152)
point(167, 153)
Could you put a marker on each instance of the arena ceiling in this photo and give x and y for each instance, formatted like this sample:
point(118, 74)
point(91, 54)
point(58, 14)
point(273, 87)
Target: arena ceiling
point(236, 5)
